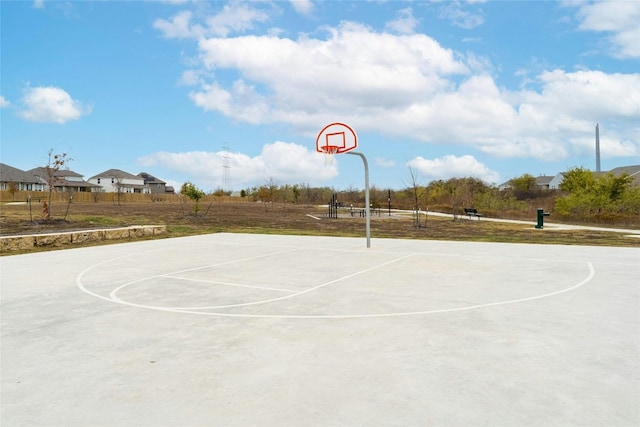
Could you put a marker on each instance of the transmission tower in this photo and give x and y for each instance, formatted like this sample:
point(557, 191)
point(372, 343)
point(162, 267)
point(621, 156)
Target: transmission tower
point(226, 170)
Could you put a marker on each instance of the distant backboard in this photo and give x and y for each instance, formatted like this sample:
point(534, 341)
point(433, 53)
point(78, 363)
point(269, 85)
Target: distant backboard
point(336, 138)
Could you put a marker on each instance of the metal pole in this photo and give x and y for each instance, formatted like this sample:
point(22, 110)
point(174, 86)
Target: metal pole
point(597, 148)
point(366, 195)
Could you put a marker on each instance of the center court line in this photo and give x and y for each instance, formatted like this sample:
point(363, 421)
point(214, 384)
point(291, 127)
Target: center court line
point(237, 285)
point(115, 298)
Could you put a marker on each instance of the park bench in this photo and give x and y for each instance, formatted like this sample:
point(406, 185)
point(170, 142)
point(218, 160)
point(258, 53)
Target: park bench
point(471, 212)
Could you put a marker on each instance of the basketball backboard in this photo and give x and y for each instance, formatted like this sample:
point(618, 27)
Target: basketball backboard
point(336, 138)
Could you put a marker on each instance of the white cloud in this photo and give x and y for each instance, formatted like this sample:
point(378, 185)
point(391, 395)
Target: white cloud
point(461, 16)
point(178, 27)
point(354, 70)
point(51, 104)
point(384, 163)
point(303, 7)
point(4, 102)
point(581, 93)
point(405, 23)
point(234, 17)
point(191, 78)
point(472, 40)
point(451, 167)
point(410, 86)
point(284, 162)
point(38, 4)
point(620, 19)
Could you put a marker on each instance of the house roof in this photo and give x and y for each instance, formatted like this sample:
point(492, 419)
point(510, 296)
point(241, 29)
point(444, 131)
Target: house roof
point(11, 174)
point(42, 172)
point(115, 173)
point(630, 170)
point(61, 178)
point(543, 180)
point(150, 179)
point(633, 171)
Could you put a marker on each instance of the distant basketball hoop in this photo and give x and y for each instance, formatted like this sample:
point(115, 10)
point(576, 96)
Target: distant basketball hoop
point(335, 138)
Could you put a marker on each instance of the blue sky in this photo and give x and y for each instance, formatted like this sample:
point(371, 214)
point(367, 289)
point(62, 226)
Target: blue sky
point(186, 90)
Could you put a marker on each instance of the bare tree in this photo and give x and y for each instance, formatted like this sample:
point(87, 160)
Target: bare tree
point(417, 192)
point(69, 201)
point(55, 162)
point(119, 184)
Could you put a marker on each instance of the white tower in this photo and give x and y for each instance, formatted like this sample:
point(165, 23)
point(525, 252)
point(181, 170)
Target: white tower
point(226, 170)
point(597, 148)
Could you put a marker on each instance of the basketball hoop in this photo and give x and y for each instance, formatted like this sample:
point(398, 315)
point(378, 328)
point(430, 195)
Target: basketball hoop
point(336, 138)
point(330, 152)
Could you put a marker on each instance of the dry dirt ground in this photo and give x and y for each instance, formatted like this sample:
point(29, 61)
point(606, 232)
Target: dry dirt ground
point(279, 218)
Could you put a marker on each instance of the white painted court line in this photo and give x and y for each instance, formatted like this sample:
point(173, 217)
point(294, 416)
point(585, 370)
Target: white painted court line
point(246, 304)
point(236, 285)
point(86, 270)
point(410, 313)
point(380, 315)
point(293, 294)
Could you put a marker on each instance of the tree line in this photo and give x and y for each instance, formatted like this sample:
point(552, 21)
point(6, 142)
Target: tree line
point(583, 196)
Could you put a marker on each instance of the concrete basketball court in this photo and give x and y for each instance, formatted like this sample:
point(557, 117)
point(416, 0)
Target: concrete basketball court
point(268, 330)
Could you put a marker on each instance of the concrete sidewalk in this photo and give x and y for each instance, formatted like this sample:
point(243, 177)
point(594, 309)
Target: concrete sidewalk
point(547, 224)
point(233, 329)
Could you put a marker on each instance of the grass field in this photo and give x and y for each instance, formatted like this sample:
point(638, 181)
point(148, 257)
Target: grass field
point(274, 218)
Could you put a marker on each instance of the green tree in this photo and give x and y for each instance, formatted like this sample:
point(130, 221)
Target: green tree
point(613, 187)
point(525, 182)
point(296, 193)
point(602, 197)
point(524, 187)
point(189, 190)
point(577, 180)
point(220, 192)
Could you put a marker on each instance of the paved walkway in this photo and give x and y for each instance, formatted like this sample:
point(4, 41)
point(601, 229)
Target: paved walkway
point(547, 224)
point(257, 330)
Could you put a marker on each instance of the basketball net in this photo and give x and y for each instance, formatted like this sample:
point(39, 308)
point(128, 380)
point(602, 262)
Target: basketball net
point(329, 152)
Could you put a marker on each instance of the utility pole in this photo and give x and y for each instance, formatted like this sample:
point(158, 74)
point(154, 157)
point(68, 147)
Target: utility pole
point(226, 170)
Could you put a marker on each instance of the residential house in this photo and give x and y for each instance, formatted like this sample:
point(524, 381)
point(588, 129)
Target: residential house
point(64, 180)
point(155, 185)
point(16, 179)
point(632, 171)
point(543, 182)
point(555, 182)
point(118, 181)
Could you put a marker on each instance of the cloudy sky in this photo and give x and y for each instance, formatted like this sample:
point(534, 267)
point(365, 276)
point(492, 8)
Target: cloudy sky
point(188, 90)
